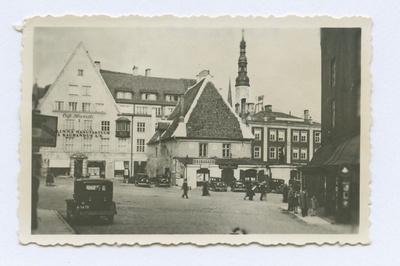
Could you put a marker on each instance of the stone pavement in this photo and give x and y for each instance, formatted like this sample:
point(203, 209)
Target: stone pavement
point(51, 222)
point(308, 219)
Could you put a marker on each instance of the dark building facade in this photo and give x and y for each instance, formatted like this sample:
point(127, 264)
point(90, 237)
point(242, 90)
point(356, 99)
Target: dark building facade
point(334, 173)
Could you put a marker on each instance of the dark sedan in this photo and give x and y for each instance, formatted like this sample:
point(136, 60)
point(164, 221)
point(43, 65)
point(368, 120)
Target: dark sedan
point(238, 186)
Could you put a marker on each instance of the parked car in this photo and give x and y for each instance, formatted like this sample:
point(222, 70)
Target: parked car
point(135, 179)
point(92, 197)
point(162, 181)
point(275, 185)
point(143, 182)
point(219, 186)
point(238, 186)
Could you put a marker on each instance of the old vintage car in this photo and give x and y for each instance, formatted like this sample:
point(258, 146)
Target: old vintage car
point(142, 181)
point(276, 185)
point(92, 198)
point(162, 181)
point(238, 186)
point(219, 186)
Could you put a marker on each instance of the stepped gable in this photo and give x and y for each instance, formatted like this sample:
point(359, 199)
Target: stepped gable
point(212, 118)
point(117, 81)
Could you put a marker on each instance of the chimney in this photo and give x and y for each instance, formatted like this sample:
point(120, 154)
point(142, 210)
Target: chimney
point(306, 115)
point(268, 108)
point(135, 70)
point(148, 72)
point(250, 108)
point(181, 118)
point(237, 108)
point(98, 65)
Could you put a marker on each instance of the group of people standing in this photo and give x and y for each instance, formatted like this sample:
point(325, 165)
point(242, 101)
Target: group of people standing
point(301, 200)
point(185, 189)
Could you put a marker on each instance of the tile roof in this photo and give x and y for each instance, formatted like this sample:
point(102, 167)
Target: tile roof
point(117, 81)
point(280, 117)
point(206, 116)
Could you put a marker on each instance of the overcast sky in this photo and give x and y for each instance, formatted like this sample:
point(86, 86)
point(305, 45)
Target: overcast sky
point(283, 64)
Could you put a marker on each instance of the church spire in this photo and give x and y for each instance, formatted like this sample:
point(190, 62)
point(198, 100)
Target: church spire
point(242, 79)
point(230, 93)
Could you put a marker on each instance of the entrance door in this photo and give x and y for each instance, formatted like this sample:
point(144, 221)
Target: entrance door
point(227, 176)
point(78, 168)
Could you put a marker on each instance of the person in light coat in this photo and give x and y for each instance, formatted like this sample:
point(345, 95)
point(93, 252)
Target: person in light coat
point(314, 205)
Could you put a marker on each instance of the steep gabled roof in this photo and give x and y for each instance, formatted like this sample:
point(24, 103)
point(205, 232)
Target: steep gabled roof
point(117, 81)
point(206, 115)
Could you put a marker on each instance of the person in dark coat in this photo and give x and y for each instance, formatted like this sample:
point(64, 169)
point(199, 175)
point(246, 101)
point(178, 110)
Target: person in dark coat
point(252, 191)
point(205, 189)
point(285, 191)
point(185, 189)
point(49, 179)
point(263, 191)
point(290, 198)
point(248, 190)
point(304, 202)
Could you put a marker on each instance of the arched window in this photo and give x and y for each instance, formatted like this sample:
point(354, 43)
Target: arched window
point(122, 127)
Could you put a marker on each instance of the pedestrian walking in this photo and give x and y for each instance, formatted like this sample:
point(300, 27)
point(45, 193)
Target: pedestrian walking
point(314, 205)
point(290, 198)
point(185, 189)
point(296, 202)
point(252, 191)
point(263, 191)
point(304, 202)
point(248, 190)
point(49, 179)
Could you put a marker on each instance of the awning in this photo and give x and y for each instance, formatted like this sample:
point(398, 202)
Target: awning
point(119, 165)
point(59, 163)
point(348, 152)
point(320, 157)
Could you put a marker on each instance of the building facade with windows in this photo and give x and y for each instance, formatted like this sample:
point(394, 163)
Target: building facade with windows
point(105, 119)
point(333, 175)
point(283, 141)
point(203, 139)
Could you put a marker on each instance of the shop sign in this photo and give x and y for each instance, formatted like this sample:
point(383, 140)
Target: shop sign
point(228, 166)
point(78, 116)
point(203, 161)
point(44, 130)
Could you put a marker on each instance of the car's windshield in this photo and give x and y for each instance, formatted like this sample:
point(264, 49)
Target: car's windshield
point(96, 187)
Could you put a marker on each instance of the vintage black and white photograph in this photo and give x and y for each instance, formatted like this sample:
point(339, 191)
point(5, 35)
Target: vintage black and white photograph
point(239, 130)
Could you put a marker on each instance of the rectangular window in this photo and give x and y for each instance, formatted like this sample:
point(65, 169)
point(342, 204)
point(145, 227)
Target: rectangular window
point(69, 124)
point(296, 136)
point(59, 106)
point(73, 106)
point(272, 152)
point(69, 144)
point(203, 149)
point(141, 110)
point(317, 137)
point(257, 152)
point(99, 108)
point(303, 136)
point(105, 144)
point(128, 95)
point(171, 98)
point(86, 90)
point(120, 95)
point(105, 125)
point(333, 73)
point(141, 127)
point(303, 154)
point(87, 144)
point(140, 145)
point(158, 110)
point(149, 96)
point(226, 150)
point(122, 145)
point(257, 133)
point(272, 135)
point(85, 107)
point(80, 72)
point(281, 135)
point(73, 89)
point(295, 153)
point(87, 124)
